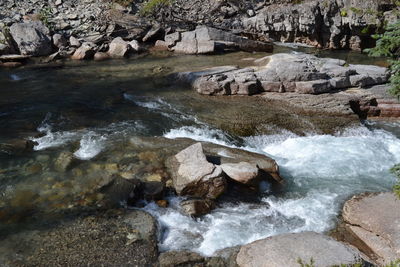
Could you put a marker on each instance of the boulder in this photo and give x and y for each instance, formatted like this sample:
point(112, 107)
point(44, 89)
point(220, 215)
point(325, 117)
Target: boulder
point(197, 207)
point(118, 48)
point(153, 190)
point(371, 222)
point(85, 51)
point(64, 161)
point(32, 38)
point(59, 40)
point(288, 249)
point(194, 176)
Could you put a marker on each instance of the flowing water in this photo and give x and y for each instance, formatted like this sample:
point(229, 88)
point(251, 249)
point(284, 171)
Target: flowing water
point(100, 113)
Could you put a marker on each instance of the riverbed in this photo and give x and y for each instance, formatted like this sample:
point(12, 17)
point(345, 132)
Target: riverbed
point(125, 116)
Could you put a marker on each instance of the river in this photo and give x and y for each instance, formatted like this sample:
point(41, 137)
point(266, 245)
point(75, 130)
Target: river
point(101, 112)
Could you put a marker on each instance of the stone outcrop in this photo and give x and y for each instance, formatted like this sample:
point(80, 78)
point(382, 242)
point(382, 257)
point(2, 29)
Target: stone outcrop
point(287, 249)
point(300, 73)
point(31, 38)
point(371, 223)
point(206, 40)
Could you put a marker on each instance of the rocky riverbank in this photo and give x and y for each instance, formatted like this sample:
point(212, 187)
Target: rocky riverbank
point(60, 28)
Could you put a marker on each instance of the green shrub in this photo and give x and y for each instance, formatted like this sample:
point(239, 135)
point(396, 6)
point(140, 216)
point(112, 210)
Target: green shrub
point(388, 45)
point(396, 187)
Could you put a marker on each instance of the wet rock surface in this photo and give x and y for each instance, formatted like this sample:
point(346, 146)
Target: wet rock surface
point(287, 249)
point(123, 238)
point(370, 224)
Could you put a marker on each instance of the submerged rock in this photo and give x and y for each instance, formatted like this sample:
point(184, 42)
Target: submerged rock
point(288, 249)
point(32, 38)
point(197, 207)
point(371, 223)
point(123, 238)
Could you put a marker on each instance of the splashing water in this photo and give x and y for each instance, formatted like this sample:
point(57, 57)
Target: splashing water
point(322, 171)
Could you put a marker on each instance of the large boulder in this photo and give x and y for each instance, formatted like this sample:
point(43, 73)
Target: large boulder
point(300, 73)
point(372, 223)
point(32, 38)
point(118, 48)
point(288, 249)
point(205, 40)
point(194, 176)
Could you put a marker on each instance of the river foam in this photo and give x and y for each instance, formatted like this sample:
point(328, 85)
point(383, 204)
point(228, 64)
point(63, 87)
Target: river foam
point(322, 171)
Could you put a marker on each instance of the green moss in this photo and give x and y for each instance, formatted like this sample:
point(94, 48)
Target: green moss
point(343, 13)
point(396, 188)
point(152, 6)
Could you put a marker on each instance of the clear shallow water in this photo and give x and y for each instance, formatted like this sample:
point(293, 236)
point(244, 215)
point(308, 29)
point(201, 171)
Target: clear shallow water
point(95, 112)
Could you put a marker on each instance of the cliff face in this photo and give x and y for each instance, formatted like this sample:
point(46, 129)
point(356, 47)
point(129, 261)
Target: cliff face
point(331, 24)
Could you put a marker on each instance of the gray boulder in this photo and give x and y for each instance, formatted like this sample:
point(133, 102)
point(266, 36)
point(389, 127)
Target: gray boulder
point(372, 222)
point(194, 176)
point(180, 258)
point(287, 249)
point(118, 48)
point(32, 38)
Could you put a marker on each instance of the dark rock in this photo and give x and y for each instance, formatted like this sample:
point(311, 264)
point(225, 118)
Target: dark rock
point(153, 34)
point(153, 190)
point(180, 258)
point(197, 207)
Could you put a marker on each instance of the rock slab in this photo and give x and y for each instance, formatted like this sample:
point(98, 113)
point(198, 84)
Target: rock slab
point(287, 249)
